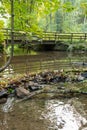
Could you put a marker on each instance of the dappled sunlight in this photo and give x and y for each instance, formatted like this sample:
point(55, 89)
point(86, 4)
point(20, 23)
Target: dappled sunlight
point(60, 114)
point(63, 116)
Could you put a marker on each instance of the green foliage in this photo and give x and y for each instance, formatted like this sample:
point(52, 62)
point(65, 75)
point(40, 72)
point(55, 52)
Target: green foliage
point(10, 90)
point(68, 7)
point(48, 15)
point(1, 37)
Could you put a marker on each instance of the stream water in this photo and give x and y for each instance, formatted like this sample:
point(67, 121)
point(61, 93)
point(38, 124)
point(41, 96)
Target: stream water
point(44, 60)
point(40, 114)
point(44, 114)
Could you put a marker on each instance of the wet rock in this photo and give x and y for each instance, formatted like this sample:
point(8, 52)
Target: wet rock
point(58, 79)
point(80, 78)
point(3, 100)
point(68, 79)
point(3, 93)
point(11, 87)
point(55, 79)
point(84, 74)
point(24, 83)
point(12, 94)
point(21, 92)
point(23, 80)
point(34, 86)
point(45, 74)
point(37, 79)
point(31, 83)
point(60, 87)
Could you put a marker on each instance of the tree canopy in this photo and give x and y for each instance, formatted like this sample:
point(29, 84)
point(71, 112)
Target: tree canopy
point(47, 15)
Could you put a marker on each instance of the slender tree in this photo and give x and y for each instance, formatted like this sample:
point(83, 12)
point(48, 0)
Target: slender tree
point(12, 37)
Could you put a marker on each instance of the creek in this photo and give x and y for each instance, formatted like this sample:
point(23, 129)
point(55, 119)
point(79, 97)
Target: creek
point(48, 114)
point(45, 60)
point(44, 113)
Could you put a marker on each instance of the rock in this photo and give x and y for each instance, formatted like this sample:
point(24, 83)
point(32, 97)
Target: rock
point(3, 93)
point(60, 87)
point(21, 92)
point(59, 79)
point(80, 78)
point(33, 88)
point(33, 84)
point(68, 79)
point(37, 79)
point(3, 100)
point(84, 74)
point(23, 80)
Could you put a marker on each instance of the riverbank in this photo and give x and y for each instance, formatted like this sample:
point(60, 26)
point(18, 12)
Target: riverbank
point(62, 46)
point(60, 83)
point(58, 46)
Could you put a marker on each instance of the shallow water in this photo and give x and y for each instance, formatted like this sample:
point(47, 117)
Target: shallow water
point(43, 61)
point(43, 114)
point(40, 114)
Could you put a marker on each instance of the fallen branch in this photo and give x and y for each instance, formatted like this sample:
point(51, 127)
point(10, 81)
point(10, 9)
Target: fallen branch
point(30, 96)
point(57, 92)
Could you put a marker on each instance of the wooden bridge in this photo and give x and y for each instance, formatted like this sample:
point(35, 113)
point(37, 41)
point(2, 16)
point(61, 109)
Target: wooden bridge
point(44, 37)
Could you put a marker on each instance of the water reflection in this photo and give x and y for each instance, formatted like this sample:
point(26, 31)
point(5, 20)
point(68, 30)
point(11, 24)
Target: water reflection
point(63, 116)
point(4, 122)
point(45, 60)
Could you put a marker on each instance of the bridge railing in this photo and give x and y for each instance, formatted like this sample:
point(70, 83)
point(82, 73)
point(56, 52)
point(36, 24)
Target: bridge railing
point(58, 36)
point(18, 36)
point(45, 36)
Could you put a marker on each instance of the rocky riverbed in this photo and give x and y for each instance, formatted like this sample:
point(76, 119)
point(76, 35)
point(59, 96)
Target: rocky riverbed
point(28, 85)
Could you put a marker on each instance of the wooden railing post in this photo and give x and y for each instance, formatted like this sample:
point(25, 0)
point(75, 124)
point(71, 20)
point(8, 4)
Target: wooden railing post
point(49, 36)
point(71, 38)
point(85, 37)
point(41, 64)
point(55, 37)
